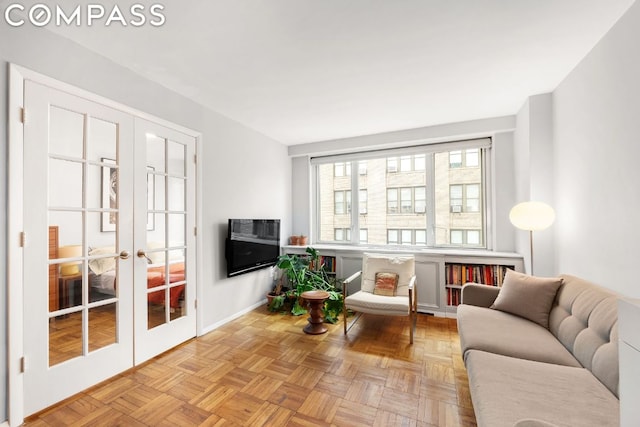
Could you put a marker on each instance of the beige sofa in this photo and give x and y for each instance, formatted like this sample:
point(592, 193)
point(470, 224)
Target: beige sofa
point(522, 374)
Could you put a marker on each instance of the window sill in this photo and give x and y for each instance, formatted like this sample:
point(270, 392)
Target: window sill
point(479, 252)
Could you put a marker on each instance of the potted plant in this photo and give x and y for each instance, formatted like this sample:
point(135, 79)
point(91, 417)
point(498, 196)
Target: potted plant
point(276, 297)
point(305, 273)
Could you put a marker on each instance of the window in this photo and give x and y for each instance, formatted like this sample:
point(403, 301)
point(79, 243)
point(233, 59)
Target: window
point(455, 159)
point(342, 169)
point(406, 163)
point(464, 198)
point(464, 158)
point(406, 237)
point(392, 201)
point(362, 167)
point(342, 202)
point(401, 193)
point(465, 237)
point(362, 202)
point(342, 234)
point(392, 164)
point(412, 200)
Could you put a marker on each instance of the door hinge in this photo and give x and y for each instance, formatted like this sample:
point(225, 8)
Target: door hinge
point(23, 115)
point(195, 231)
point(23, 239)
point(195, 158)
point(195, 303)
point(22, 365)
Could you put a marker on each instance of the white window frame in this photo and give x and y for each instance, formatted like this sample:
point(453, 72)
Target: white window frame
point(485, 146)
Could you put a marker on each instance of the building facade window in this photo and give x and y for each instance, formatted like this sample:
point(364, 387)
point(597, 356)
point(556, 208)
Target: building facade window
point(362, 202)
point(465, 237)
point(433, 198)
point(414, 163)
point(342, 234)
point(464, 198)
point(411, 200)
point(469, 158)
point(342, 202)
point(406, 237)
point(342, 169)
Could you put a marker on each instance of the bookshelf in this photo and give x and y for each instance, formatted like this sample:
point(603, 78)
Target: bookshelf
point(458, 274)
point(329, 263)
point(433, 267)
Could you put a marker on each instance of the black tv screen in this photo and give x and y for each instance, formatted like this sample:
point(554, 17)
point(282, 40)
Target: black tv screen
point(252, 244)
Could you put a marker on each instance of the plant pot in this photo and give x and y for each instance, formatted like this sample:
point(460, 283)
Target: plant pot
point(302, 240)
point(270, 297)
point(294, 240)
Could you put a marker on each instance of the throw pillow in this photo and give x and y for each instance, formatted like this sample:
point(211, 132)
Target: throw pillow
point(386, 284)
point(528, 296)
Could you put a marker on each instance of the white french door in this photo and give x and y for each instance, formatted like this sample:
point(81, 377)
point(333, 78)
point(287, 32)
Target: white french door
point(164, 239)
point(75, 338)
point(109, 251)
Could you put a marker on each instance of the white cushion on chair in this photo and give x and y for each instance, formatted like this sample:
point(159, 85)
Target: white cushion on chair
point(404, 265)
point(366, 302)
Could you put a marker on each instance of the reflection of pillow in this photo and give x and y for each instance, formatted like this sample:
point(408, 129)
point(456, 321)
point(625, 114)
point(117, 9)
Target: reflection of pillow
point(156, 257)
point(385, 284)
point(528, 296)
point(101, 265)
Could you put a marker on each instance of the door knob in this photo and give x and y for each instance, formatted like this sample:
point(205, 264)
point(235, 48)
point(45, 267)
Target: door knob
point(125, 255)
point(142, 254)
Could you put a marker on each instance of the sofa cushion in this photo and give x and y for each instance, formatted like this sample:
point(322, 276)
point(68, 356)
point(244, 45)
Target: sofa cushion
point(584, 318)
point(503, 333)
point(527, 296)
point(505, 390)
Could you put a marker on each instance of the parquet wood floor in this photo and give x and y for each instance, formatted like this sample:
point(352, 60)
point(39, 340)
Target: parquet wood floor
point(262, 370)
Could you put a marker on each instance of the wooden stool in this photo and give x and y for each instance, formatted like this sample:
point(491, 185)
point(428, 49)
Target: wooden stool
point(316, 301)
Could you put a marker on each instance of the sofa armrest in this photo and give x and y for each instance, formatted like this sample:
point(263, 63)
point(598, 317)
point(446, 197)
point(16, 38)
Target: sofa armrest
point(479, 295)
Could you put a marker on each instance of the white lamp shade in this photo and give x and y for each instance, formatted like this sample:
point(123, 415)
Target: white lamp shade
point(532, 216)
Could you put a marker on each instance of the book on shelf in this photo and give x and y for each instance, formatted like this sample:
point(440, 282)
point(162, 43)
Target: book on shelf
point(459, 274)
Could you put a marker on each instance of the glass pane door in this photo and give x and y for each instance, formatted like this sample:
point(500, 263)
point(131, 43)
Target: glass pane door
point(165, 269)
point(77, 275)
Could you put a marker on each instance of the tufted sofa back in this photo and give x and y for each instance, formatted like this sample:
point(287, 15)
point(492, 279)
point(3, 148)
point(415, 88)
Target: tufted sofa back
point(584, 317)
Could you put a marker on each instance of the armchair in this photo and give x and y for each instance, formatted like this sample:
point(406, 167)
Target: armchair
point(379, 294)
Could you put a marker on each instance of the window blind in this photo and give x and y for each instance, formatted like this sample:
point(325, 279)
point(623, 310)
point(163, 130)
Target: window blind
point(403, 151)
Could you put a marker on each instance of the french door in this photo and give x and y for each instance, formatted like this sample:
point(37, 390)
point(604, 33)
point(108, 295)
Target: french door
point(164, 238)
point(108, 264)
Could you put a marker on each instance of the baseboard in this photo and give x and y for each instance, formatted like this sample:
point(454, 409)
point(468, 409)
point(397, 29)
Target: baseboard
point(4, 424)
point(229, 319)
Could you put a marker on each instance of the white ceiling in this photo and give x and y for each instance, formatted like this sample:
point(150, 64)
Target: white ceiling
point(310, 70)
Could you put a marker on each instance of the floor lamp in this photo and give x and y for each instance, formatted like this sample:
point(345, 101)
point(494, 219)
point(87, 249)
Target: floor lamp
point(532, 216)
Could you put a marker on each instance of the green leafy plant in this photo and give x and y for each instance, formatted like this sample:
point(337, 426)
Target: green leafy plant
point(277, 303)
point(305, 273)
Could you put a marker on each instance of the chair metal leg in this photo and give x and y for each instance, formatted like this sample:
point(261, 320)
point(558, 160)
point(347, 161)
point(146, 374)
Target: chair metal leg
point(411, 325)
point(356, 317)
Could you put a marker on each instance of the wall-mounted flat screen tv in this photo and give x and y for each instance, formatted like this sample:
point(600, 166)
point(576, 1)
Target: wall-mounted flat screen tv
point(251, 244)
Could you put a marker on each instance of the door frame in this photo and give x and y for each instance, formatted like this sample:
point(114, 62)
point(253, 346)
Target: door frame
point(15, 239)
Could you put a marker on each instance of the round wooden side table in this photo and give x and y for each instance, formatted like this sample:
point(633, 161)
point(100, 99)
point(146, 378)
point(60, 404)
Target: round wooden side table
point(316, 301)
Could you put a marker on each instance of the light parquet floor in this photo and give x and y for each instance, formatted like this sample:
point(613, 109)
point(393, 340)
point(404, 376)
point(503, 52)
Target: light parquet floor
point(262, 370)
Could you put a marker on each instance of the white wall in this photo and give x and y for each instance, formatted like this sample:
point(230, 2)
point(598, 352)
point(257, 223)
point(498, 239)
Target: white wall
point(245, 174)
point(534, 178)
point(504, 192)
point(596, 115)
